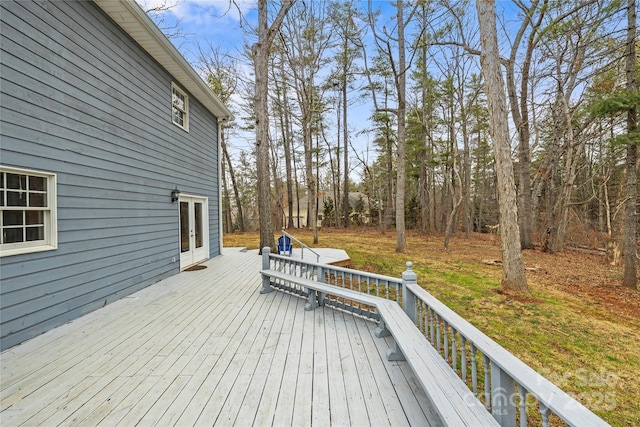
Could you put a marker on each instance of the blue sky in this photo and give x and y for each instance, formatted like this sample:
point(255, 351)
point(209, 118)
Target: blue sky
point(204, 21)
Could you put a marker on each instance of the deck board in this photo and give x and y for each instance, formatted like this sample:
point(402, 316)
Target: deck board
point(205, 347)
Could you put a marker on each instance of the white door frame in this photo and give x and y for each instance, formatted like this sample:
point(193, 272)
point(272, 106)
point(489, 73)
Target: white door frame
point(195, 247)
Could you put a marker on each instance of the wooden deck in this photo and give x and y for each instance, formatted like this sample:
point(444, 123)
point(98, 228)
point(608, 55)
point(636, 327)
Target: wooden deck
point(204, 348)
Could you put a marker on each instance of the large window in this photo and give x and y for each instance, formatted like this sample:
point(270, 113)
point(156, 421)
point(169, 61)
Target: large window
point(179, 107)
point(28, 211)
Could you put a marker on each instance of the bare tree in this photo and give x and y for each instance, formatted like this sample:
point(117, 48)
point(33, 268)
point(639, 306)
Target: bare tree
point(630, 219)
point(221, 75)
point(260, 53)
point(158, 12)
point(348, 50)
point(520, 111)
point(513, 274)
point(399, 68)
point(305, 38)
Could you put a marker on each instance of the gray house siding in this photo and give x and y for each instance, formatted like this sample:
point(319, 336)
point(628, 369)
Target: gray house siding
point(80, 99)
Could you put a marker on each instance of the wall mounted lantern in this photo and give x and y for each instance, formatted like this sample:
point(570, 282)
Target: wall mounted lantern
point(175, 195)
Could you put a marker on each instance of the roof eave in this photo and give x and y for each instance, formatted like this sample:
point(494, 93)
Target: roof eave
point(135, 22)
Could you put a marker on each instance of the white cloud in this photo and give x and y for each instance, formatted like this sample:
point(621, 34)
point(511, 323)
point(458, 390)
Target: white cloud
point(200, 12)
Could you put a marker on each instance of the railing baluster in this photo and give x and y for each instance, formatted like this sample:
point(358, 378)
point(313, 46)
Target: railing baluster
point(432, 326)
point(474, 369)
point(454, 353)
point(544, 412)
point(523, 406)
point(503, 390)
point(463, 357)
point(445, 327)
point(438, 332)
point(487, 383)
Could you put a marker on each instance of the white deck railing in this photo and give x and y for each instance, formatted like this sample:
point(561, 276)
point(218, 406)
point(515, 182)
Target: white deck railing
point(355, 280)
point(508, 387)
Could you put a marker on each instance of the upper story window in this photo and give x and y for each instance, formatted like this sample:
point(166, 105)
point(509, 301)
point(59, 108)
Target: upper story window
point(179, 107)
point(27, 211)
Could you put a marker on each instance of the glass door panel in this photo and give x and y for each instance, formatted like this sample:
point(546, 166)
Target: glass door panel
point(198, 224)
point(184, 227)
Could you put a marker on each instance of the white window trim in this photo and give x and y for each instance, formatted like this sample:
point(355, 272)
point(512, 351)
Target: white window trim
point(186, 107)
point(50, 218)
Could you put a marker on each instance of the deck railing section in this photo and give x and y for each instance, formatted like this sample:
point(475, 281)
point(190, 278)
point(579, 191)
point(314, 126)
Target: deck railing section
point(302, 246)
point(507, 386)
point(355, 280)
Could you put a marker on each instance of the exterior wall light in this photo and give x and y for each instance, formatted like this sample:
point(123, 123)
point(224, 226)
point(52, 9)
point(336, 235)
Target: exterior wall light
point(175, 195)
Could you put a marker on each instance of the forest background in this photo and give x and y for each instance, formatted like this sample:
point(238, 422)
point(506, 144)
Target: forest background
point(389, 100)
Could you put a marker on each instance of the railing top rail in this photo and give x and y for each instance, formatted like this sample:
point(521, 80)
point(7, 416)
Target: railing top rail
point(284, 233)
point(340, 269)
point(554, 398)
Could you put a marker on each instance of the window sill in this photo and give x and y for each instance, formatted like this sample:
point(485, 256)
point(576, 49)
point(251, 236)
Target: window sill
point(26, 250)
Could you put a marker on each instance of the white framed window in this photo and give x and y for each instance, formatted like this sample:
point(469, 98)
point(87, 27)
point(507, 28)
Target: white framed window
point(179, 107)
point(27, 211)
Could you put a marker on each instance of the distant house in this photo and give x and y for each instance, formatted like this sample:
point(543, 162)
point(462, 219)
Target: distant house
point(108, 162)
point(300, 221)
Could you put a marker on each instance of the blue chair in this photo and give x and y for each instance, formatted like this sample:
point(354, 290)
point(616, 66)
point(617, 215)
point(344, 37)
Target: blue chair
point(284, 245)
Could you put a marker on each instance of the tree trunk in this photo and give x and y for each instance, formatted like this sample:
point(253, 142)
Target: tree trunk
point(466, 182)
point(401, 239)
point(573, 150)
point(261, 64)
point(276, 186)
point(288, 148)
point(260, 51)
point(335, 175)
point(236, 193)
point(630, 263)
point(388, 209)
point(312, 214)
point(226, 208)
point(346, 151)
point(513, 274)
point(520, 115)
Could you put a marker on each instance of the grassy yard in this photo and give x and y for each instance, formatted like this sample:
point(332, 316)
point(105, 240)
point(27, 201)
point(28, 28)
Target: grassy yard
point(579, 327)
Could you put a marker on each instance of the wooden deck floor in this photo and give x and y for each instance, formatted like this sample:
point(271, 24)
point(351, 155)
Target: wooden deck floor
point(205, 348)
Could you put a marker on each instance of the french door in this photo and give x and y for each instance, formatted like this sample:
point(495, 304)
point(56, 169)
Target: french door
point(194, 230)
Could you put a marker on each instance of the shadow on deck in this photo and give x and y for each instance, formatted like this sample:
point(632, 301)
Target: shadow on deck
point(204, 348)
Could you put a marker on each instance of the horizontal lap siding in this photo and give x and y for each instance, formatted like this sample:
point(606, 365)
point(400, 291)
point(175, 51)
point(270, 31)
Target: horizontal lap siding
point(80, 99)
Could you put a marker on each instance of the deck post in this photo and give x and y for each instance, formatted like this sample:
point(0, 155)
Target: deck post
point(266, 285)
point(408, 298)
point(320, 278)
point(503, 405)
point(312, 300)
